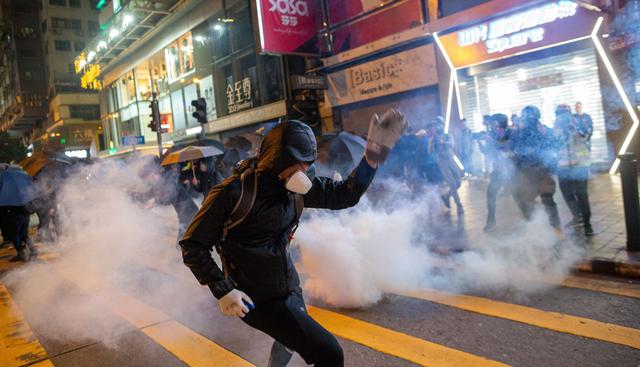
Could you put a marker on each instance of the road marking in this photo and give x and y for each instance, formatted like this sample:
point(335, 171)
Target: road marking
point(545, 319)
point(616, 288)
point(395, 343)
point(18, 345)
point(184, 343)
point(46, 363)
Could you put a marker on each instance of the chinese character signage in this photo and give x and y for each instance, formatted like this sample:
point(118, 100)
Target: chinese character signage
point(239, 96)
point(288, 26)
point(535, 28)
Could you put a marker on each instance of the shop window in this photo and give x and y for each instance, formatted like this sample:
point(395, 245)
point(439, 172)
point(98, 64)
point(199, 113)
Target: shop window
point(58, 2)
point(62, 45)
point(242, 29)
point(143, 82)
point(206, 92)
point(272, 79)
point(166, 117)
point(190, 94)
point(159, 74)
point(126, 90)
point(177, 104)
point(179, 58)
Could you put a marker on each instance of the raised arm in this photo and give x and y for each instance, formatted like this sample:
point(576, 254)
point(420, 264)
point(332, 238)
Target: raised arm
point(329, 194)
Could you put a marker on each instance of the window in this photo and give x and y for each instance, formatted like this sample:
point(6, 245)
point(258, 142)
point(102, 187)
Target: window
point(78, 45)
point(74, 3)
point(93, 4)
point(92, 26)
point(85, 111)
point(76, 24)
point(72, 69)
point(58, 23)
point(58, 2)
point(62, 45)
point(179, 57)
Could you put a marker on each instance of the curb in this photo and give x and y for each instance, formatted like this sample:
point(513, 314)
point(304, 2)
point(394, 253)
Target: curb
point(609, 267)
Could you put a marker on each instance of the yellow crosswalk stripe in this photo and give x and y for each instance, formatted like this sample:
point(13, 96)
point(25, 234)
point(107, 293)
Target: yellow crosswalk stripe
point(616, 288)
point(18, 345)
point(184, 343)
point(545, 319)
point(46, 363)
point(397, 344)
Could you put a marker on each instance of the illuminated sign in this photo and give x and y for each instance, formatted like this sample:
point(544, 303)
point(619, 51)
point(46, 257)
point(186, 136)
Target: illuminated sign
point(239, 96)
point(518, 29)
point(90, 79)
point(547, 25)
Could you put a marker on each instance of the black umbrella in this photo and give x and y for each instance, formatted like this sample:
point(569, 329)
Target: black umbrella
point(16, 186)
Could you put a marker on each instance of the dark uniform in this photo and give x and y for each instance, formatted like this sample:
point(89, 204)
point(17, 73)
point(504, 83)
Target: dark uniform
point(256, 251)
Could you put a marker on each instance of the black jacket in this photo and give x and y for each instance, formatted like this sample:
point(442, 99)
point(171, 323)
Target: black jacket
point(256, 250)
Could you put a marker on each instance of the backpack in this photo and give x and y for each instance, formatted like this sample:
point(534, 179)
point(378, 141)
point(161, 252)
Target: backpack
point(246, 169)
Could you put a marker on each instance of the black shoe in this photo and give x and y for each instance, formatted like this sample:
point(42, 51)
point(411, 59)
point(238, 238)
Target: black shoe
point(446, 200)
point(588, 230)
point(18, 258)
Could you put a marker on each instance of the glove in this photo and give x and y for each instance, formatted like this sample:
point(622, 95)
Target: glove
point(384, 132)
point(235, 303)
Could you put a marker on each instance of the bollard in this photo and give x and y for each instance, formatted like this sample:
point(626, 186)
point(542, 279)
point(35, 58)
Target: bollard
point(629, 177)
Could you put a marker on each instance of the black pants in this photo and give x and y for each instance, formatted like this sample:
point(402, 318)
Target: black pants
point(287, 321)
point(576, 195)
point(530, 183)
point(496, 181)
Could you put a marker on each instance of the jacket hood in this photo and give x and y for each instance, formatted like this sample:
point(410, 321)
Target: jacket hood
point(288, 143)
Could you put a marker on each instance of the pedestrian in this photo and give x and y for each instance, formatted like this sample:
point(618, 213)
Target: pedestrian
point(441, 148)
point(5, 226)
point(259, 282)
point(583, 122)
point(465, 147)
point(496, 146)
point(19, 222)
point(534, 147)
point(574, 164)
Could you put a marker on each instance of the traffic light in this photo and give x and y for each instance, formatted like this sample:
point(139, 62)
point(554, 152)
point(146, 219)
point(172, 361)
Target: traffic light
point(155, 116)
point(201, 110)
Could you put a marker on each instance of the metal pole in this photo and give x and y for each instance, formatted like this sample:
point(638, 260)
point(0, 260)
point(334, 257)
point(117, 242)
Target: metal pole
point(629, 177)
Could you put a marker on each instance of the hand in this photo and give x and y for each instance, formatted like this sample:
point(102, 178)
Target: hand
point(384, 132)
point(235, 303)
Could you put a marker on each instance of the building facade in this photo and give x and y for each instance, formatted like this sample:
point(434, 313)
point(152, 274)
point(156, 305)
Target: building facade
point(189, 50)
point(23, 97)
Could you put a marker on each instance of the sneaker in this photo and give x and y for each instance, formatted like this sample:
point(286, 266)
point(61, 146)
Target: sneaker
point(588, 230)
point(574, 222)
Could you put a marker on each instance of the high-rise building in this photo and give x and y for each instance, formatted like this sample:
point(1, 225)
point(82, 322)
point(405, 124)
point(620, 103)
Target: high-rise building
point(23, 98)
point(73, 119)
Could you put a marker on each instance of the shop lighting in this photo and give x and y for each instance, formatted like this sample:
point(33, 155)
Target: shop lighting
point(90, 56)
point(113, 33)
point(196, 80)
point(621, 92)
point(102, 45)
point(126, 21)
point(453, 83)
point(218, 27)
point(522, 74)
point(200, 39)
point(194, 130)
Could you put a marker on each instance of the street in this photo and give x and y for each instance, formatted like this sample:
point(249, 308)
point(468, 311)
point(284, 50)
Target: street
point(155, 314)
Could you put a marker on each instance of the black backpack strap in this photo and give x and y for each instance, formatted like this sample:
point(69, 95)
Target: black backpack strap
point(298, 201)
point(248, 192)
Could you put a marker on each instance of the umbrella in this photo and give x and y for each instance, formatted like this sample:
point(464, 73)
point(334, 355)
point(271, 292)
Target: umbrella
point(190, 153)
point(38, 161)
point(354, 144)
point(16, 186)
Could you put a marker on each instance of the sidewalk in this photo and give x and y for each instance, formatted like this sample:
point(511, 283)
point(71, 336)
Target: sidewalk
point(605, 252)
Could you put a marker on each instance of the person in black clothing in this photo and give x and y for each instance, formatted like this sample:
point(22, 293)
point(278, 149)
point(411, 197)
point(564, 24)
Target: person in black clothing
point(260, 282)
point(19, 224)
point(535, 153)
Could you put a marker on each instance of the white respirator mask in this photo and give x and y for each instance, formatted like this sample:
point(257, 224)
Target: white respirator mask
point(298, 183)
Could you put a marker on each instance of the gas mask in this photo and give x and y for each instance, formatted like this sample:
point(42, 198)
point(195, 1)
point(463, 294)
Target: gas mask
point(300, 182)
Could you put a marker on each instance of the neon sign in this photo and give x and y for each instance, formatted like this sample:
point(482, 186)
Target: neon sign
point(518, 29)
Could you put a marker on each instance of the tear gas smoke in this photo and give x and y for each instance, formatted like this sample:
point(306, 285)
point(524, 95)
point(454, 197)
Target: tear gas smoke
point(352, 258)
point(106, 239)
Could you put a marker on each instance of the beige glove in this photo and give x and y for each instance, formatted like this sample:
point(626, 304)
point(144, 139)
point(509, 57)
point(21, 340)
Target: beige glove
point(235, 303)
point(384, 132)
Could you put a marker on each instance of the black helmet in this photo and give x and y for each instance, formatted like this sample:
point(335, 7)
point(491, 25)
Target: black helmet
point(500, 120)
point(530, 115)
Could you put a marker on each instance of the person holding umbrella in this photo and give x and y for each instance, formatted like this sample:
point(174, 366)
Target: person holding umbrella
point(16, 192)
point(259, 282)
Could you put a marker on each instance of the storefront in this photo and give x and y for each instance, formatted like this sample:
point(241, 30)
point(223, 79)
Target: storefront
point(215, 60)
point(542, 55)
point(406, 80)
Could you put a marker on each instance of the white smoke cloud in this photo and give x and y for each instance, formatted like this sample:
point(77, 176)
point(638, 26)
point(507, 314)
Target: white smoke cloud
point(353, 258)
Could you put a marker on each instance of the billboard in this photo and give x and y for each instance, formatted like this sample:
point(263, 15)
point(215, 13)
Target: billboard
point(288, 26)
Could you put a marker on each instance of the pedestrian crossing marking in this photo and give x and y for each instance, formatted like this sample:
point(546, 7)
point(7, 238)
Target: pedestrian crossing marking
point(18, 345)
point(184, 343)
point(545, 319)
point(397, 344)
point(615, 288)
